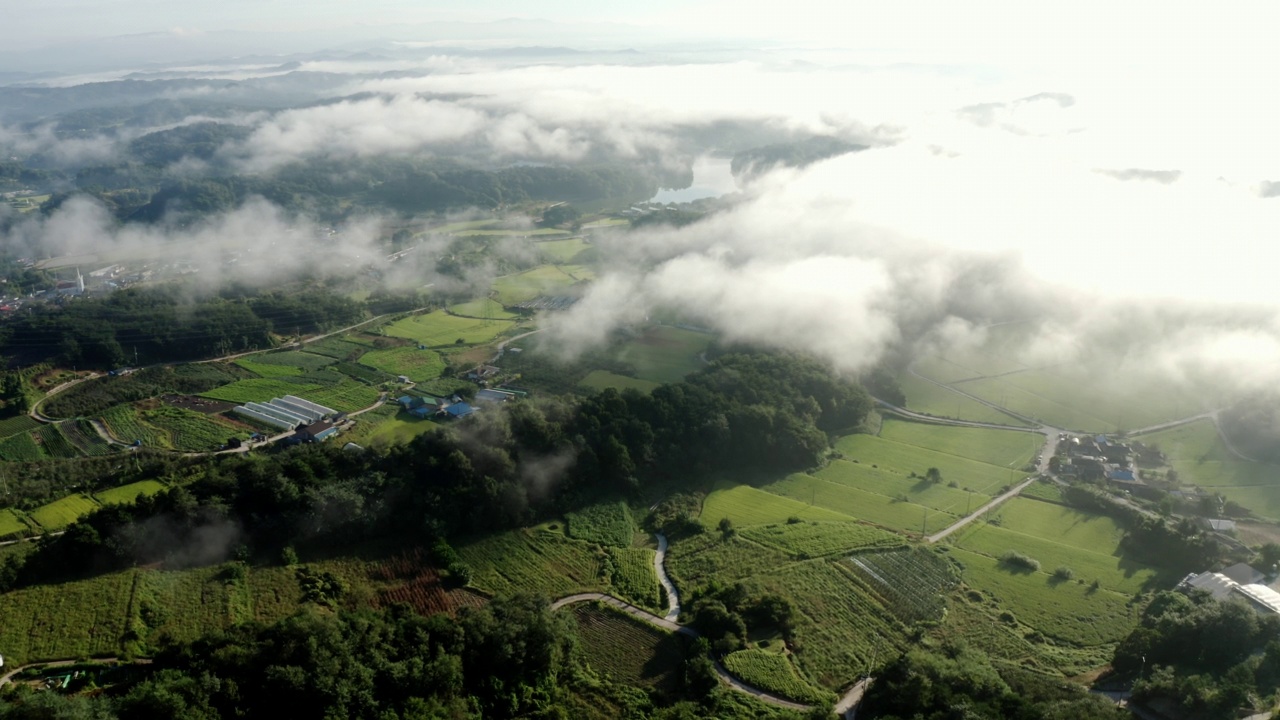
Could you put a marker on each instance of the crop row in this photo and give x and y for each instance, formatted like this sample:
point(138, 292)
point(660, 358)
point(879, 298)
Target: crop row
point(256, 390)
point(532, 561)
point(911, 582)
point(126, 426)
point(54, 442)
point(20, 448)
point(363, 373)
point(626, 650)
point(774, 673)
point(336, 348)
point(818, 539)
point(81, 434)
point(633, 576)
point(347, 397)
point(417, 365)
point(192, 431)
point(604, 523)
point(16, 425)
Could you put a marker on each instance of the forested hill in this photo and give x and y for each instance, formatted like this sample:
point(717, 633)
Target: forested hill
point(143, 326)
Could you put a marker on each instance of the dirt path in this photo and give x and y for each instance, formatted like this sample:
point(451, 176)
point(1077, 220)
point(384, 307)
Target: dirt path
point(660, 566)
point(8, 676)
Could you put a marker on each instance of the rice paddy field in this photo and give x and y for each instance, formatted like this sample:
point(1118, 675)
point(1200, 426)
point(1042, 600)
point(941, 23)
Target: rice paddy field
point(602, 379)
point(417, 365)
point(440, 329)
point(745, 505)
point(1003, 448)
point(11, 524)
point(563, 251)
point(482, 308)
point(61, 513)
point(850, 502)
point(1197, 453)
point(543, 280)
point(129, 493)
point(664, 354)
point(925, 397)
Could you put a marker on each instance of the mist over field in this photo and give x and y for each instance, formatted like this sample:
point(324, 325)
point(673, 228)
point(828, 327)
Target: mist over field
point(1113, 191)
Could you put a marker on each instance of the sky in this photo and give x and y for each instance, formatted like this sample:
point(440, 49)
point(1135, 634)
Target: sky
point(1111, 168)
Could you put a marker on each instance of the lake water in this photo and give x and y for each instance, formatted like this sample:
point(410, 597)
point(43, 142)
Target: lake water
point(711, 178)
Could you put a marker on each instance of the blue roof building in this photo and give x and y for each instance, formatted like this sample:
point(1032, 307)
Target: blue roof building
point(459, 410)
point(423, 412)
point(405, 401)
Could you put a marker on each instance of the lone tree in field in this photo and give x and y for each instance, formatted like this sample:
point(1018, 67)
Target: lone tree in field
point(933, 475)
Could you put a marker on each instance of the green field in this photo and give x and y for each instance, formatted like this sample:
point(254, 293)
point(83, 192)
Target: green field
point(399, 429)
point(292, 358)
point(542, 280)
point(898, 486)
point(483, 308)
point(925, 397)
point(53, 443)
point(633, 578)
point(839, 627)
point(519, 232)
point(124, 423)
point(440, 329)
point(774, 673)
point(664, 354)
point(336, 347)
point(129, 493)
point(83, 437)
point(61, 513)
point(363, 373)
point(1064, 610)
point(1197, 453)
point(18, 424)
point(268, 370)
point(68, 620)
point(417, 365)
point(850, 502)
point(1061, 524)
point(11, 524)
point(20, 448)
point(694, 562)
point(605, 523)
point(602, 379)
point(562, 251)
point(535, 561)
point(910, 582)
point(627, 650)
point(190, 431)
point(257, 390)
point(745, 505)
point(899, 459)
point(347, 397)
point(1003, 448)
point(804, 540)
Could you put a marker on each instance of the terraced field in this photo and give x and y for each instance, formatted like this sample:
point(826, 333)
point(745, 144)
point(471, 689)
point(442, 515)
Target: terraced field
point(129, 493)
point(20, 448)
point(126, 425)
point(627, 650)
point(192, 431)
point(61, 513)
point(774, 673)
point(537, 561)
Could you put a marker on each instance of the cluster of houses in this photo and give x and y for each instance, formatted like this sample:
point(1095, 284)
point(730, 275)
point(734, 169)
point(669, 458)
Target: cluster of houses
point(309, 421)
point(454, 408)
point(1098, 457)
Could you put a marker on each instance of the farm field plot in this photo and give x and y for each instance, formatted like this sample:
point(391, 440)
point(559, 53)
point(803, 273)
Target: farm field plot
point(562, 251)
point(911, 582)
point(85, 618)
point(20, 448)
point(124, 423)
point(1068, 611)
point(774, 672)
point(268, 370)
point(257, 390)
point(465, 225)
point(917, 490)
point(925, 397)
point(274, 591)
point(633, 576)
point(946, 370)
point(11, 524)
point(399, 429)
point(186, 604)
point(347, 397)
point(862, 505)
point(627, 650)
point(338, 348)
point(53, 443)
point(1002, 448)
point(85, 439)
point(839, 626)
point(542, 280)
point(410, 578)
point(904, 459)
point(745, 505)
point(1061, 524)
point(1127, 399)
point(805, 540)
point(61, 513)
point(129, 493)
point(417, 365)
point(192, 431)
point(302, 360)
point(1197, 452)
point(537, 561)
point(1045, 491)
point(17, 424)
point(439, 328)
point(1070, 415)
point(664, 354)
point(485, 308)
point(695, 561)
point(363, 373)
point(1109, 570)
point(602, 379)
point(517, 232)
point(605, 523)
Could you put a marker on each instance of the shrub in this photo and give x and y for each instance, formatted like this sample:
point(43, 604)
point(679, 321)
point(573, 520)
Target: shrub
point(1062, 572)
point(1018, 560)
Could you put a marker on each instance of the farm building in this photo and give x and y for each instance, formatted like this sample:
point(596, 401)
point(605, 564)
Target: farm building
point(285, 413)
point(487, 395)
point(1223, 586)
point(459, 410)
point(315, 432)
